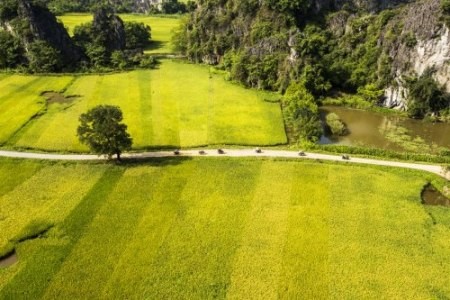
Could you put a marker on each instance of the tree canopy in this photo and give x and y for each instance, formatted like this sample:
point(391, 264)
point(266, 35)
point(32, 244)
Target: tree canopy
point(102, 130)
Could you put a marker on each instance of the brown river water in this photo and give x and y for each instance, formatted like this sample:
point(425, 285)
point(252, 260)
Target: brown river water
point(367, 128)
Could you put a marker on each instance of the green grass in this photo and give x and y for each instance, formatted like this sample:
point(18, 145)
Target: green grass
point(162, 28)
point(222, 228)
point(20, 100)
point(178, 104)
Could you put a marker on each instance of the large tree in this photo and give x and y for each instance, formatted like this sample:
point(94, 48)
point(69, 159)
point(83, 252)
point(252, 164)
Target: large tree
point(102, 130)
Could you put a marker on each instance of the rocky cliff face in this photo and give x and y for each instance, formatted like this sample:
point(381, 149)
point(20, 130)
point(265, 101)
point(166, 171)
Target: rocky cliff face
point(428, 47)
point(110, 27)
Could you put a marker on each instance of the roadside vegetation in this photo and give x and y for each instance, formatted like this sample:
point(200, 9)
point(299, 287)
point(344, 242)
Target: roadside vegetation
point(247, 227)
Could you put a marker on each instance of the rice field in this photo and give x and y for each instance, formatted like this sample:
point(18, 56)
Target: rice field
point(20, 100)
point(220, 229)
point(176, 105)
point(162, 28)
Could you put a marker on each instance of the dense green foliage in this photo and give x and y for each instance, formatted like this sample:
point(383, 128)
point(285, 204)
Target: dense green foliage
point(43, 58)
point(302, 114)
point(445, 5)
point(11, 51)
point(102, 130)
point(426, 97)
point(41, 49)
point(335, 124)
point(272, 42)
point(249, 228)
point(267, 44)
point(109, 42)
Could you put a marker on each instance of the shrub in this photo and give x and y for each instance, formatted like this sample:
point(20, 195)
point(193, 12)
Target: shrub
point(334, 123)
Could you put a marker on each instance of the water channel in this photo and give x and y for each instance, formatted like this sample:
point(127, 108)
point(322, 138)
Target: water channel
point(388, 131)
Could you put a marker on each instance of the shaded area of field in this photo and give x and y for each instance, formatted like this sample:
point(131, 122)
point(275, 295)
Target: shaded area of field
point(178, 104)
point(222, 228)
point(162, 28)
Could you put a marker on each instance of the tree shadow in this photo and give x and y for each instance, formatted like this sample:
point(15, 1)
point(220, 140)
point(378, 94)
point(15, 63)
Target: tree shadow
point(152, 161)
point(155, 45)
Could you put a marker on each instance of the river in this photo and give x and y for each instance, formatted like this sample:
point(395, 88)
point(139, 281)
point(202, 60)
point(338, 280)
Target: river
point(388, 131)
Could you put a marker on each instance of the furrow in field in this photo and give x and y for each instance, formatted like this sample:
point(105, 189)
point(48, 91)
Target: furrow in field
point(258, 262)
point(94, 257)
point(305, 256)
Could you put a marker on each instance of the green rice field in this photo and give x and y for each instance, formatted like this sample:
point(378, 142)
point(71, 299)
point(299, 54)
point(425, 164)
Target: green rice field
point(220, 229)
point(178, 104)
point(162, 28)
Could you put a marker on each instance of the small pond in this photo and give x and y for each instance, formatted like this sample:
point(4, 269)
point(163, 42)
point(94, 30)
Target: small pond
point(391, 132)
point(8, 260)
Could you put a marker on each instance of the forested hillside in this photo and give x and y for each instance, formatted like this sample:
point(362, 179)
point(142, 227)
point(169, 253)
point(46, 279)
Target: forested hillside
point(33, 40)
point(383, 52)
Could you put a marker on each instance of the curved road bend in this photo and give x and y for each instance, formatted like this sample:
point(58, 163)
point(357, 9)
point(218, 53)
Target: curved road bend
point(436, 169)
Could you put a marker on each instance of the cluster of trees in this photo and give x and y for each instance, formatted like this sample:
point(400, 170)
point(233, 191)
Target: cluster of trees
point(301, 114)
point(335, 124)
point(36, 42)
point(174, 7)
point(109, 42)
point(426, 97)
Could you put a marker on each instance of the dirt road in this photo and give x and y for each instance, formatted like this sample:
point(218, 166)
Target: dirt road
point(436, 169)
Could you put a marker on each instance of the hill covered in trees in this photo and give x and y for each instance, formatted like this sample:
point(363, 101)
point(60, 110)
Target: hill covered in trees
point(31, 39)
point(391, 53)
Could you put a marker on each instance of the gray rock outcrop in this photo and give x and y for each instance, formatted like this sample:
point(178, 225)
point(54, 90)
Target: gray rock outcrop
point(421, 20)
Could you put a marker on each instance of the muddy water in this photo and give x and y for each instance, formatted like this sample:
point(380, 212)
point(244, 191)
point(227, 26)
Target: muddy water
point(9, 260)
point(431, 196)
point(369, 129)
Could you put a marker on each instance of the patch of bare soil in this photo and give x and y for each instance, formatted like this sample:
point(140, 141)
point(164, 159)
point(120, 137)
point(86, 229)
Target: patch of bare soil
point(8, 260)
point(431, 196)
point(54, 97)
